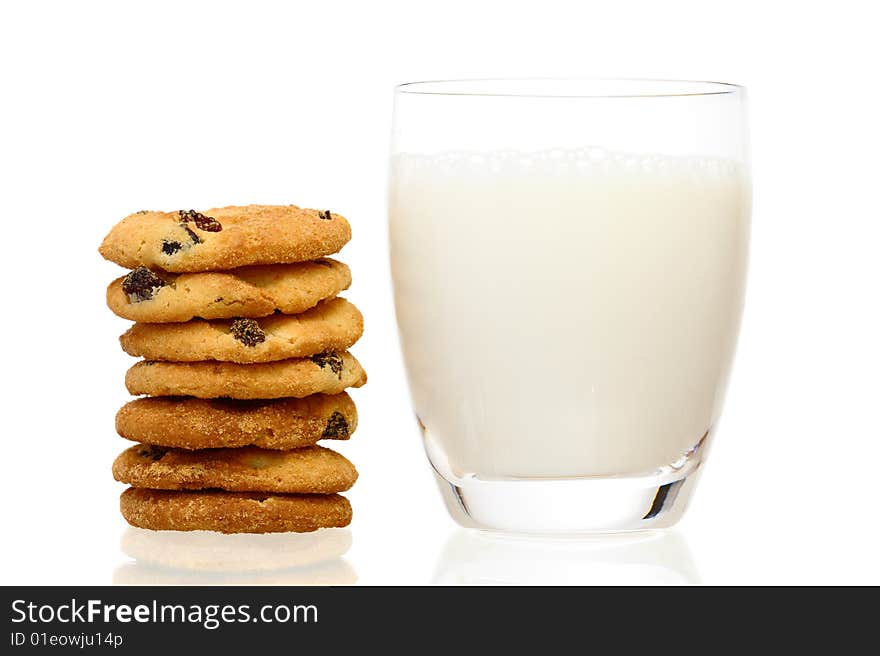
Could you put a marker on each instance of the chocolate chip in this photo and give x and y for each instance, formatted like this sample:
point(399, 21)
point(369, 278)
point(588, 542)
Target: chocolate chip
point(337, 426)
point(170, 247)
point(141, 283)
point(247, 331)
point(332, 360)
point(325, 214)
point(206, 223)
point(152, 452)
point(142, 212)
point(326, 263)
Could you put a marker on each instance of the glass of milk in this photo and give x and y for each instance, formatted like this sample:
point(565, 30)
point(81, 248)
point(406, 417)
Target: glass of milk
point(569, 261)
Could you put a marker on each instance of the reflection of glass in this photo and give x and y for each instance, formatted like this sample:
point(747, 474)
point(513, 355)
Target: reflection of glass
point(204, 557)
point(569, 262)
point(643, 558)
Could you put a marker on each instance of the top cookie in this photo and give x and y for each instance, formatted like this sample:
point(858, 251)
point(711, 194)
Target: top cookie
point(224, 238)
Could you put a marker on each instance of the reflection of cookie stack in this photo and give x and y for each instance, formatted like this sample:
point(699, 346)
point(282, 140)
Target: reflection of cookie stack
point(246, 363)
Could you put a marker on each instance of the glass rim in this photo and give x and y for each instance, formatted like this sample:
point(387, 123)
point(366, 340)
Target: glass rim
point(655, 87)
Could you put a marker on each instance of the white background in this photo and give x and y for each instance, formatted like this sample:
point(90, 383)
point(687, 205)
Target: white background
point(112, 107)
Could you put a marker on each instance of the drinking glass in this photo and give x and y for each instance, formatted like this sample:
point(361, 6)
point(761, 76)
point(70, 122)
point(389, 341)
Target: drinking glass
point(569, 261)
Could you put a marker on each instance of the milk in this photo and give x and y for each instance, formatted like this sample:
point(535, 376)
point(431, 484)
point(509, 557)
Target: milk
point(566, 313)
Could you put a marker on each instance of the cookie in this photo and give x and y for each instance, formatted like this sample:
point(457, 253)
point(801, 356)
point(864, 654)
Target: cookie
point(191, 423)
point(255, 291)
point(333, 325)
point(312, 469)
point(326, 373)
point(224, 238)
point(233, 512)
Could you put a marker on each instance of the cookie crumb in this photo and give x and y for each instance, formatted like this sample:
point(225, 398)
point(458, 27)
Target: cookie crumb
point(206, 223)
point(247, 331)
point(332, 360)
point(324, 214)
point(141, 284)
point(170, 247)
point(337, 426)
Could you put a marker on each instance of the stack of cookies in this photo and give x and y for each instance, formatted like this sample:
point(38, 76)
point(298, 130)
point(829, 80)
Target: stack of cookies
point(245, 365)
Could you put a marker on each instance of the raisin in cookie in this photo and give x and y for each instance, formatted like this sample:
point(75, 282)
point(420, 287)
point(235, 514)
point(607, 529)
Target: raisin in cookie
point(255, 291)
point(333, 325)
point(191, 423)
point(312, 469)
point(327, 373)
point(224, 238)
point(233, 512)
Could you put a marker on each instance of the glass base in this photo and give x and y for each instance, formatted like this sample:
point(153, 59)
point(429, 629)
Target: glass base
point(573, 505)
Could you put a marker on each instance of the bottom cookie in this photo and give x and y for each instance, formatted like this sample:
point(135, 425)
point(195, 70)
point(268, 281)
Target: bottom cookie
point(233, 512)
